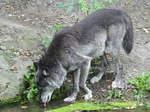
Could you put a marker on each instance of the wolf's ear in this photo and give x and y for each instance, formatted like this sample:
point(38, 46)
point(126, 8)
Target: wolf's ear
point(36, 64)
point(45, 73)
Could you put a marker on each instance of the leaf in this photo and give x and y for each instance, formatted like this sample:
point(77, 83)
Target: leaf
point(24, 107)
point(128, 3)
point(13, 68)
point(8, 6)
point(32, 67)
point(145, 30)
point(83, 6)
point(132, 106)
point(57, 27)
point(27, 76)
point(145, 13)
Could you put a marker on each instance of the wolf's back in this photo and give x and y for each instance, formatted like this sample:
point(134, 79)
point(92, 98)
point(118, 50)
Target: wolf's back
point(128, 38)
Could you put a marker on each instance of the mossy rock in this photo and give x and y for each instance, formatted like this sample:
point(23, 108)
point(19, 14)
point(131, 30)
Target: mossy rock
point(95, 106)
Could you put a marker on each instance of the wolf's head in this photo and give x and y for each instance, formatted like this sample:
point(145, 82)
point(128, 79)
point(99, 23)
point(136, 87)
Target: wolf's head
point(48, 77)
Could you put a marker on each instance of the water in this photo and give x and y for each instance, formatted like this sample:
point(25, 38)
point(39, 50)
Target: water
point(30, 107)
point(38, 108)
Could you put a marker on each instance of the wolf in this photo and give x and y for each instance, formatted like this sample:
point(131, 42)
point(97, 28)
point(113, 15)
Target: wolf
point(75, 46)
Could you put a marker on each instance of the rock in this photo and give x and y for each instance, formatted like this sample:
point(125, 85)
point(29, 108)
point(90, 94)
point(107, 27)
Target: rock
point(3, 63)
point(11, 81)
point(9, 86)
point(18, 41)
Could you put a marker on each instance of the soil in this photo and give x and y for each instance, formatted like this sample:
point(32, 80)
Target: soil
point(41, 16)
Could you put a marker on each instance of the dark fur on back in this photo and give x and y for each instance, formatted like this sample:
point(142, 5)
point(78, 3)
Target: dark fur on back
point(83, 32)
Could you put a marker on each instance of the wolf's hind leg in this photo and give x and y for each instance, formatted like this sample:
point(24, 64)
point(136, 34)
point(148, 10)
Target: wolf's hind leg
point(84, 74)
point(115, 35)
point(117, 83)
point(101, 73)
point(73, 96)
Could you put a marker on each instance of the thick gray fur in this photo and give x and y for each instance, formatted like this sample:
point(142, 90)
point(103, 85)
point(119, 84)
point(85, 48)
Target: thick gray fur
point(74, 47)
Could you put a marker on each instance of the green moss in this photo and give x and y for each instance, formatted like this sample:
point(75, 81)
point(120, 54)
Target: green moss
point(11, 100)
point(92, 106)
point(122, 104)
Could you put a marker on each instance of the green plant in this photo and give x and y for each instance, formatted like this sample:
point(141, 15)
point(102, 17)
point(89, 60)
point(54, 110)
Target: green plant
point(29, 92)
point(141, 82)
point(91, 7)
point(95, 5)
point(82, 5)
point(69, 6)
point(138, 95)
point(57, 27)
point(114, 94)
point(11, 100)
point(147, 104)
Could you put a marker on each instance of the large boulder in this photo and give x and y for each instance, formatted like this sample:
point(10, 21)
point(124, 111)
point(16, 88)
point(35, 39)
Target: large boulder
point(18, 47)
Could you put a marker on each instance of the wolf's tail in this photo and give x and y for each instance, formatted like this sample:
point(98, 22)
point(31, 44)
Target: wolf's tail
point(128, 38)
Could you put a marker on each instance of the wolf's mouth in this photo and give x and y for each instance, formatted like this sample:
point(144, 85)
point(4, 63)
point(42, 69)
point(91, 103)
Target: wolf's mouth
point(44, 105)
point(45, 100)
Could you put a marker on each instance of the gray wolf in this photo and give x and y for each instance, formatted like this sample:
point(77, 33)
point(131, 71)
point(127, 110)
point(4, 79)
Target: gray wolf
point(74, 47)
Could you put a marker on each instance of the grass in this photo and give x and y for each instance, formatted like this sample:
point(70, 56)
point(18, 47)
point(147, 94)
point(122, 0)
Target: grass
point(141, 82)
point(141, 85)
point(115, 94)
point(93, 106)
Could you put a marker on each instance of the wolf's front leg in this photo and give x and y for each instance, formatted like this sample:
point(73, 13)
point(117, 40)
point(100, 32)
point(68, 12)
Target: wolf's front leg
point(84, 74)
point(73, 96)
point(104, 63)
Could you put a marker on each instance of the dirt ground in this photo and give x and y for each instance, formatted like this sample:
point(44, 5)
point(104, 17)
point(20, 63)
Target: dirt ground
point(40, 16)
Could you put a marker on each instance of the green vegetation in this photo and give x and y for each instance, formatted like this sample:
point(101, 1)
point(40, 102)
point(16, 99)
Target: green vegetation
point(141, 84)
point(29, 90)
point(93, 106)
point(82, 4)
point(115, 94)
point(11, 100)
point(57, 27)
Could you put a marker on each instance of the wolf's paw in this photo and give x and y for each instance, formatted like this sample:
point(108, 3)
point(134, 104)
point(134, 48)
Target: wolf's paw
point(70, 99)
point(94, 80)
point(118, 84)
point(88, 96)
